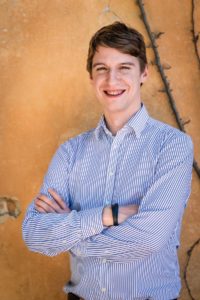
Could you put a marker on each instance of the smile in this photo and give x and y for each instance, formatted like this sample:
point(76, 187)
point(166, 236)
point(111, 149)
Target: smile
point(114, 93)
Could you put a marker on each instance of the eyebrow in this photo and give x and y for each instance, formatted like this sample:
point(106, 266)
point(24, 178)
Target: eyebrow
point(128, 63)
point(98, 64)
point(121, 64)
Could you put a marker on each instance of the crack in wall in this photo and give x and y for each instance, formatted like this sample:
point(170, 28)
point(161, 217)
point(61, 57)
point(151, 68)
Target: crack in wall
point(9, 207)
point(108, 15)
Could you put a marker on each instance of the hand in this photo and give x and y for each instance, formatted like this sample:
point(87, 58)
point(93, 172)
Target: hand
point(124, 213)
point(45, 205)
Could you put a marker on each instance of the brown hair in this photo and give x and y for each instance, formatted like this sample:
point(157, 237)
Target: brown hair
point(121, 37)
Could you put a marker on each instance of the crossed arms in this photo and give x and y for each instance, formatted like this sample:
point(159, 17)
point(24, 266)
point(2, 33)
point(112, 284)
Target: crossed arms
point(45, 205)
point(50, 227)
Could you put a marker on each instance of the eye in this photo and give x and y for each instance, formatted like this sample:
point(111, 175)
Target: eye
point(125, 68)
point(100, 69)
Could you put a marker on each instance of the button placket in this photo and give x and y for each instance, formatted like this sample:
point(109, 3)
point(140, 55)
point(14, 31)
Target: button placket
point(110, 180)
point(110, 176)
point(103, 269)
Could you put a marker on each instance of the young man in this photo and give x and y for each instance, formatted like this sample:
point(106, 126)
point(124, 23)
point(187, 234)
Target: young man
point(114, 196)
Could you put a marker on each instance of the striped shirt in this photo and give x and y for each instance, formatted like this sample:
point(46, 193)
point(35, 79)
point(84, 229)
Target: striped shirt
point(147, 163)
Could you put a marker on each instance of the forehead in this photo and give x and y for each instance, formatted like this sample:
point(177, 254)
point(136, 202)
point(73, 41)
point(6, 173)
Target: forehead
point(112, 56)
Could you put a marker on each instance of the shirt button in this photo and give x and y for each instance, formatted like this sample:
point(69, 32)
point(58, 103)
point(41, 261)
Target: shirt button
point(104, 261)
point(93, 231)
point(103, 290)
point(78, 252)
point(111, 173)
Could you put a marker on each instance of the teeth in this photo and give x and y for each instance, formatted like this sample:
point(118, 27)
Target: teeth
point(114, 93)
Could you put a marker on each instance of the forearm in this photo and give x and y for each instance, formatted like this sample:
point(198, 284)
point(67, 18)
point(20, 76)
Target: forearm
point(149, 231)
point(52, 233)
point(54, 228)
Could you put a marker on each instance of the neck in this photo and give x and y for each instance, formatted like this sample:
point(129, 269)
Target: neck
point(115, 121)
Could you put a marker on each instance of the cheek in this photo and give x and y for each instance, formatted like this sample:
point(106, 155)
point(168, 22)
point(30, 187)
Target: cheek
point(97, 88)
point(134, 83)
point(129, 83)
point(98, 83)
point(94, 82)
point(129, 79)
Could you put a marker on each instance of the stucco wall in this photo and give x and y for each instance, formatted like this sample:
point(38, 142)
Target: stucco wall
point(45, 97)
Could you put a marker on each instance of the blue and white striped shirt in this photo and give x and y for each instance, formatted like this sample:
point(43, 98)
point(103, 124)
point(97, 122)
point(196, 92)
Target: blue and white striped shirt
point(147, 163)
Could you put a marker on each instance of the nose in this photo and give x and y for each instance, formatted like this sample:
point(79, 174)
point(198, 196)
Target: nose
point(112, 77)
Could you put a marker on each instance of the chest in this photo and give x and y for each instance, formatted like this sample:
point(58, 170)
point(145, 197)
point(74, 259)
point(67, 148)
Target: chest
point(105, 173)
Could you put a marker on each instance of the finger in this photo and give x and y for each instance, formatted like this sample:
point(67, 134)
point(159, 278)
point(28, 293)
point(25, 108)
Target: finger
point(58, 199)
point(42, 205)
point(40, 209)
point(39, 202)
point(133, 209)
point(51, 202)
point(133, 206)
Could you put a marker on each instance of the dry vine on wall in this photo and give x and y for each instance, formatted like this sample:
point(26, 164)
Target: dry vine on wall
point(195, 35)
point(153, 37)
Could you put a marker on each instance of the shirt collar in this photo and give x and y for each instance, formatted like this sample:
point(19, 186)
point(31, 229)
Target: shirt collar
point(137, 123)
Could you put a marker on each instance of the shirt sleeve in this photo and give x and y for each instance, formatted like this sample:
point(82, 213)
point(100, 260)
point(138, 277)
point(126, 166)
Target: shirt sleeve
point(52, 233)
point(160, 211)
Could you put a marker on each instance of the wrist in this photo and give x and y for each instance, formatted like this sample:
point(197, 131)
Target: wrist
point(107, 218)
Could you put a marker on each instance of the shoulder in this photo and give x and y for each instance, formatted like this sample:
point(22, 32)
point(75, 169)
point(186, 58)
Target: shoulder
point(79, 138)
point(71, 145)
point(171, 137)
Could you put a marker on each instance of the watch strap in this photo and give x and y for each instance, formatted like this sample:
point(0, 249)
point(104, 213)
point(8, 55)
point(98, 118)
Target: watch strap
point(115, 209)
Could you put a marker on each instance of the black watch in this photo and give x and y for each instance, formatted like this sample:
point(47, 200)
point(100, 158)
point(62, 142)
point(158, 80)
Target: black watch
point(115, 209)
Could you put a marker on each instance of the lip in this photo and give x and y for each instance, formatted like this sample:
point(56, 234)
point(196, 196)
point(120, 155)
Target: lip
point(114, 93)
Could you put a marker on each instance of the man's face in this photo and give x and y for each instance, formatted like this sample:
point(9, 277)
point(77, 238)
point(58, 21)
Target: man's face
point(116, 78)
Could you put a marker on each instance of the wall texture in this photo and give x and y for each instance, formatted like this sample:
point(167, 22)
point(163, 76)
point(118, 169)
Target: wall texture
point(45, 97)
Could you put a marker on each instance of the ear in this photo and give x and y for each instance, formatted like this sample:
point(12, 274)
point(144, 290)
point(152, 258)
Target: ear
point(144, 74)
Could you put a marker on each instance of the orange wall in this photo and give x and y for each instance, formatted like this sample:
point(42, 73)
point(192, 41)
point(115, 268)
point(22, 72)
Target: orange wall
point(45, 97)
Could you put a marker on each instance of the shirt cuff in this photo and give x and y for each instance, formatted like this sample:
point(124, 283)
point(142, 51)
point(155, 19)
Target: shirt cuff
point(91, 222)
